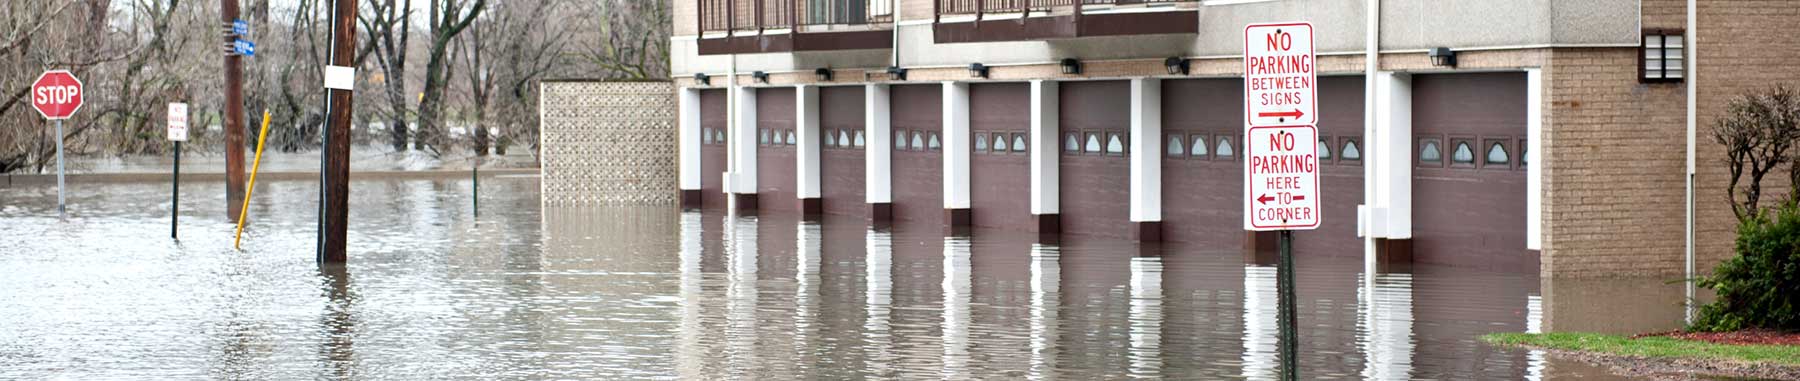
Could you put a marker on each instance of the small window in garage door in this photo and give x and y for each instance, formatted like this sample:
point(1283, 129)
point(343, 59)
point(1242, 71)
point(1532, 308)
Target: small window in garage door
point(1000, 145)
point(858, 143)
point(1324, 149)
point(1115, 144)
point(1225, 149)
point(1092, 144)
point(1176, 147)
point(1199, 150)
point(1523, 148)
point(1431, 152)
point(1497, 154)
point(1071, 143)
point(1350, 150)
point(900, 140)
point(831, 139)
point(1018, 145)
point(981, 142)
point(1462, 152)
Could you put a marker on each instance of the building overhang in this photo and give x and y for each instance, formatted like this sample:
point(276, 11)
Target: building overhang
point(1067, 26)
point(796, 42)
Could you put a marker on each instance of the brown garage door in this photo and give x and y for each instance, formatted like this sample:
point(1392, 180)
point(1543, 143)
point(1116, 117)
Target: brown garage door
point(1203, 183)
point(1340, 171)
point(775, 141)
point(1095, 162)
point(1469, 179)
point(841, 130)
point(917, 120)
point(712, 148)
point(999, 169)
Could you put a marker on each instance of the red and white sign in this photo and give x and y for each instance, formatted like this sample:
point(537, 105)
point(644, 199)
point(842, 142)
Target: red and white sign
point(56, 94)
point(1280, 81)
point(178, 122)
point(1281, 178)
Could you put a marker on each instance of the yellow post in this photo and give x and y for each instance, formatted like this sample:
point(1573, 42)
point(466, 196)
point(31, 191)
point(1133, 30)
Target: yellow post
point(245, 211)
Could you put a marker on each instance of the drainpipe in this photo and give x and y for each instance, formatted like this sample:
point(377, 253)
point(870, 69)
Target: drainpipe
point(731, 132)
point(894, 18)
point(1693, 68)
point(1371, 65)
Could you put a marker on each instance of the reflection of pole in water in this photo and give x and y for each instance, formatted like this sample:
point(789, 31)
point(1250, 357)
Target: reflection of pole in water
point(1046, 301)
point(338, 349)
point(806, 276)
point(741, 299)
point(879, 297)
point(1146, 317)
point(1386, 326)
point(1534, 323)
point(1260, 327)
point(690, 354)
point(956, 306)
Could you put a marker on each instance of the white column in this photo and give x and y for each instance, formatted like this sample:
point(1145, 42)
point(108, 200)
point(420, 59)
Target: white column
point(956, 145)
point(1392, 149)
point(806, 123)
point(878, 151)
point(688, 138)
point(1534, 174)
point(1045, 138)
point(1146, 154)
point(743, 161)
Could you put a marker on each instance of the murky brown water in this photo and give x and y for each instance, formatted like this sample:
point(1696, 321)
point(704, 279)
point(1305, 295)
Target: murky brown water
point(629, 293)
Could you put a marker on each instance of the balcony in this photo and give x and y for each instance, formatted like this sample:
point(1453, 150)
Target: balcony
point(1030, 20)
point(774, 26)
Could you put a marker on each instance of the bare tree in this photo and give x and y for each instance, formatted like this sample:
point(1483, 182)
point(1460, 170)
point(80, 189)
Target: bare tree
point(455, 18)
point(1757, 131)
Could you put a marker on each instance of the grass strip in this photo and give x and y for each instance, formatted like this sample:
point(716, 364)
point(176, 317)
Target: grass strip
point(1651, 347)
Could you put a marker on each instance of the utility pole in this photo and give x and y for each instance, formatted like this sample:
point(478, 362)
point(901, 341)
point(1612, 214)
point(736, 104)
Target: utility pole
point(334, 171)
point(234, 114)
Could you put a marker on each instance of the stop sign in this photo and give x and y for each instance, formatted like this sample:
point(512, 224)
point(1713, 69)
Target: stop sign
point(56, 94)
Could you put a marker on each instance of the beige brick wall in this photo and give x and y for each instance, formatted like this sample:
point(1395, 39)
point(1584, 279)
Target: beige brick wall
point(1744, 45)
point(686, 17)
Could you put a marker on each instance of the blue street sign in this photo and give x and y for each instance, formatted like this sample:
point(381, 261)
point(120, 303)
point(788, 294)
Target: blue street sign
point(244, 47)
point(239, 27)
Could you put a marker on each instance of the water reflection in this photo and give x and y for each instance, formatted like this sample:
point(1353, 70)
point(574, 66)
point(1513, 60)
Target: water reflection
point(956, 307)
point(878, 300)
point(1146, 317)
point(1386, 327)
point(1046, 303)
point(1261, 359)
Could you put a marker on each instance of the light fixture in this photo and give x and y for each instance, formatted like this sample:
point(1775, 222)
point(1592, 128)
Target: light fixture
point(1176, 65)
point(1442, 56)
point(1071, 66)
point(896, 73)
point(824, 74)
point(760, 76)
point(703, 79)
point(977, 70)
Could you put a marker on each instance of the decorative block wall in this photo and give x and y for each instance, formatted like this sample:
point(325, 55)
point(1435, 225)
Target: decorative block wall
point(608, 143)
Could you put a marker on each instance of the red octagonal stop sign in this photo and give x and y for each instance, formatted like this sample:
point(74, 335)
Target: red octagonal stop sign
point(56, 94)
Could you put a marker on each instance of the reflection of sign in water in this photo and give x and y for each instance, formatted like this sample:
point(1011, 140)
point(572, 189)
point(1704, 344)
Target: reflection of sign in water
point(1281, 178)
point(178, 122)
point(1280, 80)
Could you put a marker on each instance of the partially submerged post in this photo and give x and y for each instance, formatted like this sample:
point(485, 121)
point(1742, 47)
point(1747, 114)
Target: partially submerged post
point(234, 113)
point(334, 174)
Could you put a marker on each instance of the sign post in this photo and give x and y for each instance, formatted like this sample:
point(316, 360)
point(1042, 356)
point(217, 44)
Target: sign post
point(56, 95)
point(178, 125)
point(1281, 170)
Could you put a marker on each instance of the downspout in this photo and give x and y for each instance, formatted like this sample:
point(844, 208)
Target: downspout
point(731, 146)
point(894, 19)
point(1693, 68)
point(1371, 64)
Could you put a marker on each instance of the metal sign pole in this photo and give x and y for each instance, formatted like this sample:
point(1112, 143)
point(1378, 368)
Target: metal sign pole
point(1284, 278)
point(175, 199)
point(62, 210)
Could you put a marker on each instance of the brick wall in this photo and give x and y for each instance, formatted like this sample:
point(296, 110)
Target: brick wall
point(608, 143)
point(1744, 45)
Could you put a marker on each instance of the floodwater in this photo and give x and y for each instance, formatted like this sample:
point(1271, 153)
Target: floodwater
point(434, 291)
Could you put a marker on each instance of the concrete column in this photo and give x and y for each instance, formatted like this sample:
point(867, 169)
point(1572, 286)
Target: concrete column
point(741, 181)
point(1146, 158)
point(688, 143)
point(878, 153)
point(1534, 173)
point(1045, 138)
point(806, 163)
point(956, 154)
point(1387, 216)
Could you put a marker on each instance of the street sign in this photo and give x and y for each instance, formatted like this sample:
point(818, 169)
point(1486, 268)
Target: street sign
point(239, 27)
point(178, 122)
point(244, 48)
point(1280, 78)
point(56, 94)
point(1281, 178)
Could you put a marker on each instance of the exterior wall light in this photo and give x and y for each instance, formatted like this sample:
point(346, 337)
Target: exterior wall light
point(760, 76)
point(703, 79)
point(977, 70)
point(1071, 66)
point(896, 73)
point(1442, 56)
point(824, 74)
point(1176, 65)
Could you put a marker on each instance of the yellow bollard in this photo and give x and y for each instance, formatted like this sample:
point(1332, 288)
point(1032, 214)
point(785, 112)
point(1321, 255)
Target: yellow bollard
point(245, 211)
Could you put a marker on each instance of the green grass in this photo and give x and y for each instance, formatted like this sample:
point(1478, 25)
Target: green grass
point(1651, 347)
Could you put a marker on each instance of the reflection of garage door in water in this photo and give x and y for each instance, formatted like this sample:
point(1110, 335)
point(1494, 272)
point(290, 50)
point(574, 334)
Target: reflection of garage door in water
point(1096, 168)
point(712, 148)
point(841, 151)
point(775, 142)
point(916, 116)
point(999, 169)
point(1469, 174)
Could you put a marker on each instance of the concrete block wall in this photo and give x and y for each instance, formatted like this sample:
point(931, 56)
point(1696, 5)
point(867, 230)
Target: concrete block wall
point(608, 143)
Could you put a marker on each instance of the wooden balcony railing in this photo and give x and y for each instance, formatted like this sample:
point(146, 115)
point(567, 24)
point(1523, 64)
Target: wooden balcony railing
point(734, 16)
point(1027, 7)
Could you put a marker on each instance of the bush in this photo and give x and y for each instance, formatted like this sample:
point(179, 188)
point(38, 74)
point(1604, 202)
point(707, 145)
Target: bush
point(1760, 288)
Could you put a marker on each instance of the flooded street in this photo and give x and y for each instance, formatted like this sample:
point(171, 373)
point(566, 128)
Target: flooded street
point(433, 291)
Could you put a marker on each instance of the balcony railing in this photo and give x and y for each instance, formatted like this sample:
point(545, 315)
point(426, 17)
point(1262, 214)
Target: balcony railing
point(737, 16)
point(1023, 20)
point(1028, 7)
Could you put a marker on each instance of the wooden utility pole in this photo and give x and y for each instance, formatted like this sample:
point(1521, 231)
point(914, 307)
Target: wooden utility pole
point(234, 114)
point(334, 181)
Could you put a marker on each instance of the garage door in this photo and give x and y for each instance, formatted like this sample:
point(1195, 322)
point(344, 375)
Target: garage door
point(999, 169)
point(775, 142)
point(712, 148)
point(917, 121)
point(1096, 167)
point(1469, 179)
point(1203, 180)
point(841, 167)
point(1340, 169)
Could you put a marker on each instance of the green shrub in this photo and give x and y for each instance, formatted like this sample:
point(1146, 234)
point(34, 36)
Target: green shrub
point(1760, 287)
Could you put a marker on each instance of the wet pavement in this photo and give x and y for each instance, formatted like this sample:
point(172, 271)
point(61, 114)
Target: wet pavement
point(521, 292)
